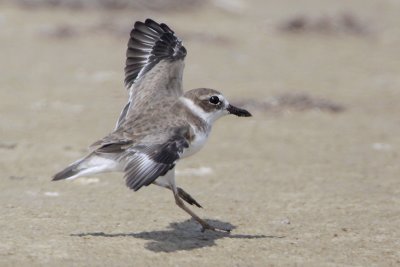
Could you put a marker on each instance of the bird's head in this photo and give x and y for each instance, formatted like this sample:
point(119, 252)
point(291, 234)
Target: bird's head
point(210, 105)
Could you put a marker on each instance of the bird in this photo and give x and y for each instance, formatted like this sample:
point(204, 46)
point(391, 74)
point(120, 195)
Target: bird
point(160, 123)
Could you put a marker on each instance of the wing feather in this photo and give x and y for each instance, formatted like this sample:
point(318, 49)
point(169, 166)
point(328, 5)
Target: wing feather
point(146, 163)
point(150, 43)
point(154, 65)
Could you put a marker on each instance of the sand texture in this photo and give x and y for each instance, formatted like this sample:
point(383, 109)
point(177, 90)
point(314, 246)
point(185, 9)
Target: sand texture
point(312, 179)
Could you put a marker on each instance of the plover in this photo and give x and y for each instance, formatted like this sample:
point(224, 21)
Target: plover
point(161, 123)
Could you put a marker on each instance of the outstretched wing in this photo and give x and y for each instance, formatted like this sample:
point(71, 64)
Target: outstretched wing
point(150, 43)
point(146, 163)
point(154, 65)
point(148, 158)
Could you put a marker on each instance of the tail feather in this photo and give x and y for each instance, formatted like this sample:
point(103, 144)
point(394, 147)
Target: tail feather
point(89, 165)
point(68, 172)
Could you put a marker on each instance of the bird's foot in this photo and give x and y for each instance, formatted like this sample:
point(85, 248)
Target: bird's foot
point(206, 226)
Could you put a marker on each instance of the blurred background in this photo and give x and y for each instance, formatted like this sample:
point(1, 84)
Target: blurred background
point(311, 179)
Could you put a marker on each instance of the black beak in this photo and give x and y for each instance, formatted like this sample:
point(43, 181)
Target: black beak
point(238, 111)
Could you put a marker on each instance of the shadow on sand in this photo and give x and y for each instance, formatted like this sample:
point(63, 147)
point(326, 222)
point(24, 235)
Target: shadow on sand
point(184, 235)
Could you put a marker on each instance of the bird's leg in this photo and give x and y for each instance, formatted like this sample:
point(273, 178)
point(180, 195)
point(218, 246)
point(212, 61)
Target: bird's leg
point(182, 193)
point(188, 198)
point(204, 224)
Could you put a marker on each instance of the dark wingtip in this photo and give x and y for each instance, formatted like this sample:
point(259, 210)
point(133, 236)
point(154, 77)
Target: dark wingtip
point(149, 43)
point(149, 21)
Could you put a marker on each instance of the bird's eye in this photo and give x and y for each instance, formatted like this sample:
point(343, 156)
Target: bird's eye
point(214, 100)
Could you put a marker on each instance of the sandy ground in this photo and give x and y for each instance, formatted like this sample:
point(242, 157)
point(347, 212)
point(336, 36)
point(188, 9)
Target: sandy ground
point(300, 186)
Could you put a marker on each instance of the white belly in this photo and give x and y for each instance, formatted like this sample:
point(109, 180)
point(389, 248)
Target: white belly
point(196, 144)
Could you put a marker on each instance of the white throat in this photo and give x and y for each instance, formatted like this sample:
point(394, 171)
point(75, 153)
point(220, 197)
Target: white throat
point(208, 117)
